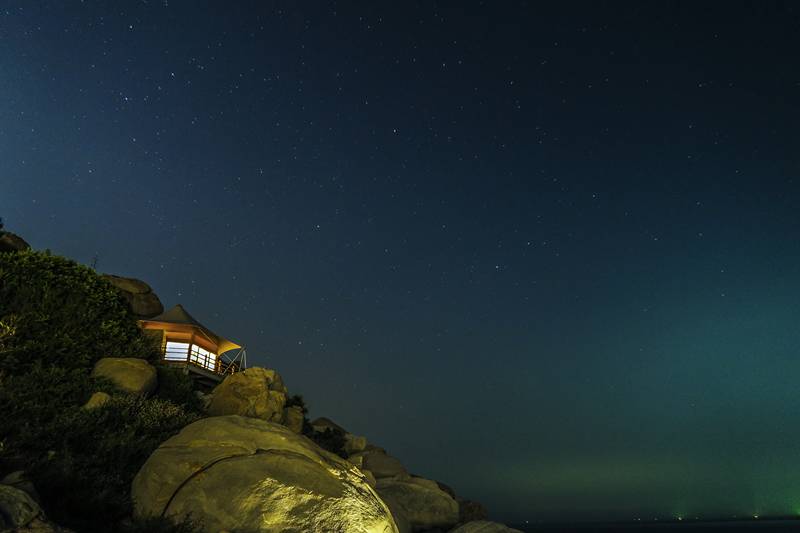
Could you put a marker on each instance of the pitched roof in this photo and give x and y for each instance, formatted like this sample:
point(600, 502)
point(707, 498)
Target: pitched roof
point(179, 315)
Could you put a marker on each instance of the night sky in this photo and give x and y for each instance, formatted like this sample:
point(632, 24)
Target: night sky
point(549, 255)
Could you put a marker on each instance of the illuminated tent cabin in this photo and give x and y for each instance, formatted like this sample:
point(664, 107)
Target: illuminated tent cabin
point(186, 342)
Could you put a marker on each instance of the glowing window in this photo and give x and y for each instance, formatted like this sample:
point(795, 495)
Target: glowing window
point(176, 351)
point(203, 357)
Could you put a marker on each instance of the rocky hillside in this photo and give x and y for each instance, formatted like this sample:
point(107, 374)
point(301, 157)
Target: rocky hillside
point(99, 435)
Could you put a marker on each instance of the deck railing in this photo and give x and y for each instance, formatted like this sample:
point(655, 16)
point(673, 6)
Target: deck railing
point(231, 365)
point(184, 352)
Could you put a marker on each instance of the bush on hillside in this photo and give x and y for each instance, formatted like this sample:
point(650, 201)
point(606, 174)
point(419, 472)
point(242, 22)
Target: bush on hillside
point(63, 314)
point(81, 461)
point(176, 386)
point(30, 401)
point(297, 400)
point(331, 439)
point(57, 318)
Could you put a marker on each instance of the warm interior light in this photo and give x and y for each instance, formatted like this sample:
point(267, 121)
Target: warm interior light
point(203, 357)
point(176, 351)
point(184, 351)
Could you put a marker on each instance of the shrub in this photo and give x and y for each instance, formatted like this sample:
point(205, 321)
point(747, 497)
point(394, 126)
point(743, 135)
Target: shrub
point(81, 461)
point(177, 386)
point(29, 403)
point(297, 401)
point(62, 314)
point(331, 439)
point(57, 318)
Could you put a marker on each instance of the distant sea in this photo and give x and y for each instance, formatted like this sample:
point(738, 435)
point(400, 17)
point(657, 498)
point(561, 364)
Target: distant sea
point(666, 527)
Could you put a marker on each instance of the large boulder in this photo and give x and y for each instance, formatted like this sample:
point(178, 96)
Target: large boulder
point(484, 526)
point(10, 242)
point(143, 301)
point(255, 392)
point(379, 462)
point(244, 474)
point(421, 501)
point(130, 374)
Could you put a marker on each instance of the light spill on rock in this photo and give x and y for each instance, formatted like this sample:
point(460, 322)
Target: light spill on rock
point(239, 473)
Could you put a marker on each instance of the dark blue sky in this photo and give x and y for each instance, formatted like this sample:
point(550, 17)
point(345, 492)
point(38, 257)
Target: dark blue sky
point(547, 255)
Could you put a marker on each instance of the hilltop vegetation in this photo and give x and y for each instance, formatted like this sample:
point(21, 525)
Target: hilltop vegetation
point(56, 312)
point(57, 318)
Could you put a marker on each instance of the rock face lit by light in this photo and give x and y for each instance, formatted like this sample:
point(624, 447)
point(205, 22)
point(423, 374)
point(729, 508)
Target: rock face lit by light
point(237, 473)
